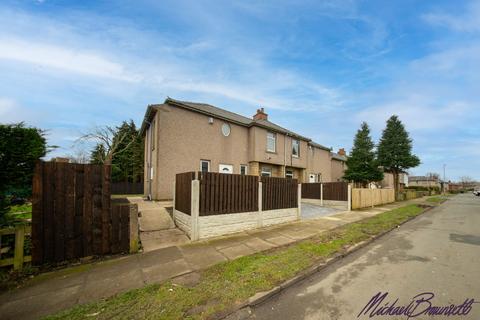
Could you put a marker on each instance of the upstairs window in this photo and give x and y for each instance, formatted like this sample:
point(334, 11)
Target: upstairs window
point(295, 148)
point(271, 142)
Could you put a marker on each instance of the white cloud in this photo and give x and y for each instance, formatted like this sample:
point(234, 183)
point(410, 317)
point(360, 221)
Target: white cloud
point(467, 22)
point(62, 59)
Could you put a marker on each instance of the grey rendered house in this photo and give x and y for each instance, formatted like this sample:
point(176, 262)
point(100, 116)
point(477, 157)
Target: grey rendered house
point(185, 136)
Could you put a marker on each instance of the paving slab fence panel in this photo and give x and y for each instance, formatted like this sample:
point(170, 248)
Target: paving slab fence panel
point(72, 214)
point(364, 197)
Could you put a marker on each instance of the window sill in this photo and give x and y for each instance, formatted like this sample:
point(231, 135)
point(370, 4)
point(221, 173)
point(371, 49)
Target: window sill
point(273, 152)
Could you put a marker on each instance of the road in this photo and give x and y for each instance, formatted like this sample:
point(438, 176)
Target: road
point(438, 252)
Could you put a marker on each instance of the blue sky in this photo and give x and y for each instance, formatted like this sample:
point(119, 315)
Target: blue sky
point(319, 68)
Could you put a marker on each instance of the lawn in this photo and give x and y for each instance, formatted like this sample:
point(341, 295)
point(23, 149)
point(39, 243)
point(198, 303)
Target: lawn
point(20, 212)
point(436, 199)
point(230, 283)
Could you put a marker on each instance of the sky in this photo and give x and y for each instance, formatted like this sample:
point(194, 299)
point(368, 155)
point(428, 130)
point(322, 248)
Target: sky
point(319, 68)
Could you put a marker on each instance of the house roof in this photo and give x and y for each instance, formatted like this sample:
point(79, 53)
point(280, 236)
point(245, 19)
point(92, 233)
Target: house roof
point(422, 178)
point(216, 112)
point(337, 156)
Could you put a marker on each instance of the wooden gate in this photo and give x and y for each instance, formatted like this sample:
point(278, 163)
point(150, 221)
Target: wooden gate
point(72, 215)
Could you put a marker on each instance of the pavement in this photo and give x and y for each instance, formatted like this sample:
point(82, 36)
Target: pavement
point(438, 252)
point(157, 228)
point(51, 292)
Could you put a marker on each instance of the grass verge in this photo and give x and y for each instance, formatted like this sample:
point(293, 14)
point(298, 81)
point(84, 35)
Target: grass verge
point(436, 199)
point(228, 284)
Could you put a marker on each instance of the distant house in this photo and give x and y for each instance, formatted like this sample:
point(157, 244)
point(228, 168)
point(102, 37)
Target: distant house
point(388, 181)
point(424, 181)
point(338, 164)
point(185, 136)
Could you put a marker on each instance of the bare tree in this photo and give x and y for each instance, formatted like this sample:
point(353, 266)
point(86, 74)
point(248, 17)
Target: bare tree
point(111, 140)
point(467, 181)
point(433, 175)
point(79, 155)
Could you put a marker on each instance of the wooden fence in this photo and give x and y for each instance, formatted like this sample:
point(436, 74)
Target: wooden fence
point(127, 188)
point(279, 193)
point(72, 216)
point(183, 191)
point(13, 252)
point(363, 197)
point(337, 191)
point(227, 193)
point(311, 190)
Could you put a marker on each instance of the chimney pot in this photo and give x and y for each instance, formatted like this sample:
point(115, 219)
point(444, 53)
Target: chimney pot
point(260, 115)
point(342, 152)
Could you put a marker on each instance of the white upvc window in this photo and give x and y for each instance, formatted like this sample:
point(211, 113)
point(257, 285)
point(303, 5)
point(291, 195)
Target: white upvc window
point(243, 169)
point(205, 165)
point(266, 172)
point(289, 174)
point(296, 148)
point(152, 135)
point(271, 142)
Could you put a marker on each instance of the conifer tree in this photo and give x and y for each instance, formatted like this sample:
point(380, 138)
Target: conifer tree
point(362, 166)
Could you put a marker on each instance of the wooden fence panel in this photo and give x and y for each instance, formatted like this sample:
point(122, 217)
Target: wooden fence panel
point(227, 193)
point(364, 197)
point(72, 216)
point(183, 191)
point(337, 191)
point(311, 190)
point(127, 187)
point(279, 193)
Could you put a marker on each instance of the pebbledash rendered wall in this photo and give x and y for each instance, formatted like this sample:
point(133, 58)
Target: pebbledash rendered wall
point(200, 227)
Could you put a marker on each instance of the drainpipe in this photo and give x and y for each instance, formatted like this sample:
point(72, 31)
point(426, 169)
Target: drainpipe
point(149, 160)
point(285, 155)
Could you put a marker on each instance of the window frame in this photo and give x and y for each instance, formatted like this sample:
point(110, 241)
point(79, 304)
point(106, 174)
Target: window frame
point(297, 142)
point(208, 165)
point(244, 166)
point(272, 136)
point(289, 174)
point(268, 172)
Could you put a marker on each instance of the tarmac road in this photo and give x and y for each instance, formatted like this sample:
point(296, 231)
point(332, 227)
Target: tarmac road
point(438, 252)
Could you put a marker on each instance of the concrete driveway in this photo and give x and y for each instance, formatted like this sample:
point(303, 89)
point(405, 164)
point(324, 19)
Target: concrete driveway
point(313, 211)
point(438, 252)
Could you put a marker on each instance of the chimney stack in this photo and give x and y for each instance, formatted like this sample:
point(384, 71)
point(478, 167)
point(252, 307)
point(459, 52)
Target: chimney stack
point(260, 115)
point(342, 152)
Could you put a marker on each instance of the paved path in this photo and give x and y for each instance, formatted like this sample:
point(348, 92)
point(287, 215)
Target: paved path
point(438, 252)
point(51, 292)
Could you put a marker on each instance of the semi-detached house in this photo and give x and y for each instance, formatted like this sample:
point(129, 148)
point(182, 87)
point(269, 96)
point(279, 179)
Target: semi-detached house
point(185, 136)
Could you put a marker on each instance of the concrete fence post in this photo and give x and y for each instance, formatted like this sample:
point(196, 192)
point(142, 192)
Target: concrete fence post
point(321, 194)
point(260, 203)
point(173, 197)
point(134, 230)
point(371, 195)
point(195, 209)
point(349, 197)
point(299, 201)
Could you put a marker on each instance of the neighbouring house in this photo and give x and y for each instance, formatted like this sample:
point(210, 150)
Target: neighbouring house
point(424, 181)
point(185, 136)
point(338, 165)
point(388, 181)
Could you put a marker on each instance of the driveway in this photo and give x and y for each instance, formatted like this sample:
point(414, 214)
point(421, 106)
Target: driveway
point(439, 252)
point(313, 211)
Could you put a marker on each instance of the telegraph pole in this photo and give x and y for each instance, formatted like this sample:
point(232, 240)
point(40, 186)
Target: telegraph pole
point(444, 165)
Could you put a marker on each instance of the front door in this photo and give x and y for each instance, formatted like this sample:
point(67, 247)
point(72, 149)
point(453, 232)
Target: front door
point(225, 168)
